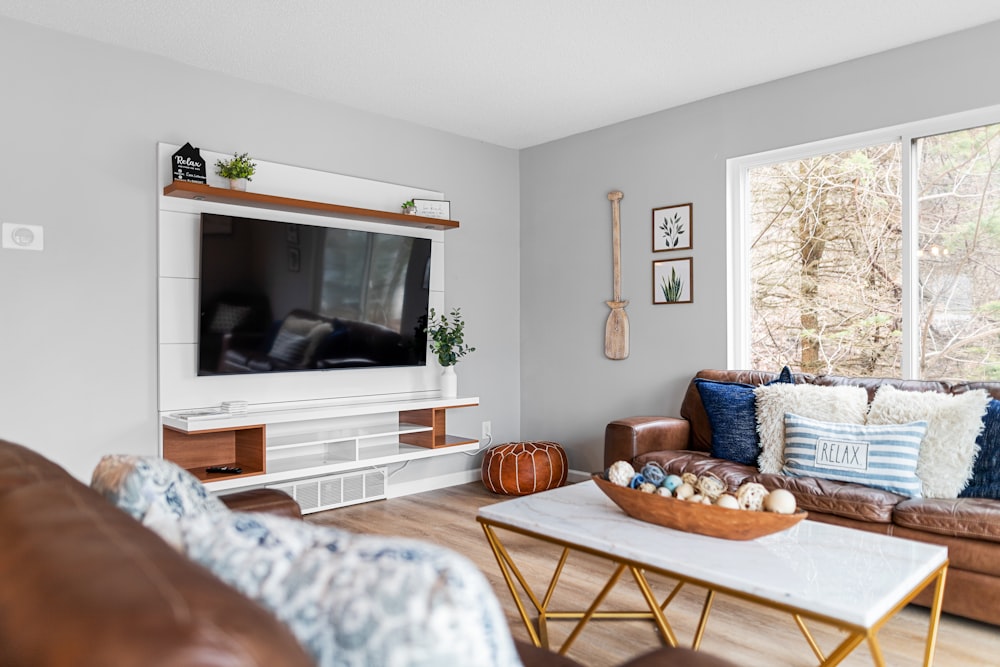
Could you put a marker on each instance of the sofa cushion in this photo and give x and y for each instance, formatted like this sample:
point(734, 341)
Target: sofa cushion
point(985, 482)
point(953, 424)
point(832, 404)
point(349, 599)
point(731, 410)
point(973, 518)
point(883, 457)
point(851, 501)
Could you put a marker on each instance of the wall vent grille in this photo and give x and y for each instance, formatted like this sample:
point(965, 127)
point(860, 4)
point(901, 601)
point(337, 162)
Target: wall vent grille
point(348, 488)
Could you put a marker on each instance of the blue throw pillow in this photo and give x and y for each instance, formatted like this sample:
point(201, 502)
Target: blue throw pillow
point(985, 482)
point(882, 456)
point(732, 412)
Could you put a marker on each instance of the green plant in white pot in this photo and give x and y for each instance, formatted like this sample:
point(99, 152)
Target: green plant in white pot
point(238, 170)
point(446, 336)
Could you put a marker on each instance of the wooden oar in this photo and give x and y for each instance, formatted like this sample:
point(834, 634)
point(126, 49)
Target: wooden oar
point(616, 330)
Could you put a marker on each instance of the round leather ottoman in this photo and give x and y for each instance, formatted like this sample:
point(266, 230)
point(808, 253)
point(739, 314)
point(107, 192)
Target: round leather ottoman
point(520, 468)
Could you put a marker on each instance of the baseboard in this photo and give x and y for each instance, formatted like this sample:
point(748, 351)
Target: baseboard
point(397, 489)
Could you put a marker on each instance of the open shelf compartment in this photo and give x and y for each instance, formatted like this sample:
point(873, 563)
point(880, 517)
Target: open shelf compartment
point(242, 447)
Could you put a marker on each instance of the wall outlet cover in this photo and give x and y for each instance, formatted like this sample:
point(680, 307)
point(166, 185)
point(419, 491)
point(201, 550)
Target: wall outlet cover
point(23, 237)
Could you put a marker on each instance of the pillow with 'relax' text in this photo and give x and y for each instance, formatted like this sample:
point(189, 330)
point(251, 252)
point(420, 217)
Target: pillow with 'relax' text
point(882, 457)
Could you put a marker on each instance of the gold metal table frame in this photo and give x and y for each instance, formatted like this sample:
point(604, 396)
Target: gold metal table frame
point(657, 610)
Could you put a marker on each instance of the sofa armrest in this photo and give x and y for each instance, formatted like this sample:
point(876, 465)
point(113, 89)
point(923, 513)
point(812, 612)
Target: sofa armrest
point(271, 501)
point(625, 439)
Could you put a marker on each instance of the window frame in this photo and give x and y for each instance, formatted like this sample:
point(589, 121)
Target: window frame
point(737, 223)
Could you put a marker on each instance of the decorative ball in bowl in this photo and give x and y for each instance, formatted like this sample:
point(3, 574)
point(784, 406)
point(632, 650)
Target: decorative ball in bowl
point(700, 505)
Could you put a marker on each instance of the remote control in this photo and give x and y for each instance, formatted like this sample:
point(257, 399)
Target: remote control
point(229, 470)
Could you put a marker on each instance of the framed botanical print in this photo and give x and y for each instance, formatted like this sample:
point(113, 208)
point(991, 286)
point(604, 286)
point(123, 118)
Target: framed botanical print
point(672, 281)
point(672, 227)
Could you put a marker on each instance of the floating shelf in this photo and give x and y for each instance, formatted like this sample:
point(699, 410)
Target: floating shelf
point(202, 192)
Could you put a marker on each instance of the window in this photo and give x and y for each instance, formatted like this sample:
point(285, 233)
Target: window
point(874, 255)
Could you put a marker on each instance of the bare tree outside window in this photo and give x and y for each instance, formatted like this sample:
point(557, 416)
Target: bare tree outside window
point(825, 263)
point(826, 254)
point(959, 253)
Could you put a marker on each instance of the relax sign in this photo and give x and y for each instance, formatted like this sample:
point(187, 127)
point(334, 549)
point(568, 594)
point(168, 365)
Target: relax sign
point(844, 454)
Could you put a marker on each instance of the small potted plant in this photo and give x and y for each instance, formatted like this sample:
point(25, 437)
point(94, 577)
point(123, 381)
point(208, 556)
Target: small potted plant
point(238, 170)
point(447, 342)
point(409, 208)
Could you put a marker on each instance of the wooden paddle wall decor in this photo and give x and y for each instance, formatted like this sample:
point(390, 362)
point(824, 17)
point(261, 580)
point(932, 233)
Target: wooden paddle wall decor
point(616, 329)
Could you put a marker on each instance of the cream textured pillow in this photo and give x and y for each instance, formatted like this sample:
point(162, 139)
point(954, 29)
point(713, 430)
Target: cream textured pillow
point(845, 405)
point(953, 423)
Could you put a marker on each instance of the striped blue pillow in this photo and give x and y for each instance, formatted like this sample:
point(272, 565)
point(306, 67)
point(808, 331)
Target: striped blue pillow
point(882, 457)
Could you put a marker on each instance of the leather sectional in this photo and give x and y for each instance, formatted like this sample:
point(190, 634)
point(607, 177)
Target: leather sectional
point(968, 527)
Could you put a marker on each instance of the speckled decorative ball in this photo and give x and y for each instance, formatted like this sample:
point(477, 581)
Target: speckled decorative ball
point(647, 487)
point(690, 478)
point(664, 491)
point(621, 473)
point(751, 496)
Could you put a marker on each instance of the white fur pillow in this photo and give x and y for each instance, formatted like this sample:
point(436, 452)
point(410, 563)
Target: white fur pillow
point(845, 405)
point(949, 449)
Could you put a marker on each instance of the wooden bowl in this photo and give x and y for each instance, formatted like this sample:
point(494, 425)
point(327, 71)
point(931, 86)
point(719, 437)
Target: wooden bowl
point(729, 524)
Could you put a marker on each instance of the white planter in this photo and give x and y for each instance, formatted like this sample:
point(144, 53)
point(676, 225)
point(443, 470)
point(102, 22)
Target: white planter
point(238, 184)
point(449, 382)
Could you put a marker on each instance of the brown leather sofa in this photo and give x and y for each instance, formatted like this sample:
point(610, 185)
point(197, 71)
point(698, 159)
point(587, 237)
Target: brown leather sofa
point(969, 527)
point(84, 584)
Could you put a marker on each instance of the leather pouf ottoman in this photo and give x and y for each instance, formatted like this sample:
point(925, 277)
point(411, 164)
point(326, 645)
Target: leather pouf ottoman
point(520, 468)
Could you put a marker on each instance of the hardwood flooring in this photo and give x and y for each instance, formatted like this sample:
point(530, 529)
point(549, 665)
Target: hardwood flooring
point(750, 635)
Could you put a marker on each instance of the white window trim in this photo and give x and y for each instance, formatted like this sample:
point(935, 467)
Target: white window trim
point(737, 168)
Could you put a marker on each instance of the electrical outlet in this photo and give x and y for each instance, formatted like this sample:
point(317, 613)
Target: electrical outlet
point(487, 430)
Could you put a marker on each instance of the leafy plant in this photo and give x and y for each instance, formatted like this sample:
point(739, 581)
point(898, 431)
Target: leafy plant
point(447, 337)
point(672, 229)
point(671, 290)
point(241, 166)
point(409, 204)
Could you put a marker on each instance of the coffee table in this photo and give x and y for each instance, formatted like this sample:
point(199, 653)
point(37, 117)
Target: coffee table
point(850, 579)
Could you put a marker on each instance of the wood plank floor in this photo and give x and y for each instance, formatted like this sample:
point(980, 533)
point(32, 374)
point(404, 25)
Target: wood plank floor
point(750, 635)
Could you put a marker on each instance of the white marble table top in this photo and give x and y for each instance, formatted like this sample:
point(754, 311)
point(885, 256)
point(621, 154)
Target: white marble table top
point(849, 575)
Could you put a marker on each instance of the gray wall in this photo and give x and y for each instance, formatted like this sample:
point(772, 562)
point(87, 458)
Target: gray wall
point(569, 391)
point(79, 123)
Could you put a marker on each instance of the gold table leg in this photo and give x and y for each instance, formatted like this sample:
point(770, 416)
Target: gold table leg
point(504, 561)
point(703, 621)
point(654, 607)
point(935, 620)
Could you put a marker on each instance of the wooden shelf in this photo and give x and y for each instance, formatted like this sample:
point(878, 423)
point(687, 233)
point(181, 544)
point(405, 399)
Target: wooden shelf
point(242, 447)
point(202, 192)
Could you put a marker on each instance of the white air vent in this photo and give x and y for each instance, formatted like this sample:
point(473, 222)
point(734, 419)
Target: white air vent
point(340, 490)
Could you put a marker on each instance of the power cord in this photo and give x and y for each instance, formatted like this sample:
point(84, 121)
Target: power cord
point(479, 450)
point(482, 446)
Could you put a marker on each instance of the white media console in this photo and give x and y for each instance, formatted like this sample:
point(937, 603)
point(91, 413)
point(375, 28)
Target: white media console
point(326, 437)
point(324, 455)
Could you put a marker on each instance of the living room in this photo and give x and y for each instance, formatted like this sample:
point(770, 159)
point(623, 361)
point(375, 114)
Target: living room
point(530, 266)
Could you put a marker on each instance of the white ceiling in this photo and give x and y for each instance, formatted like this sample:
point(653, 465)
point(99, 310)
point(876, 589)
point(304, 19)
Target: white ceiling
point(510, 72)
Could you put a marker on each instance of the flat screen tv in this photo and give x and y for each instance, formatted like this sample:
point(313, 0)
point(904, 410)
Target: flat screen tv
point(279, 297)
